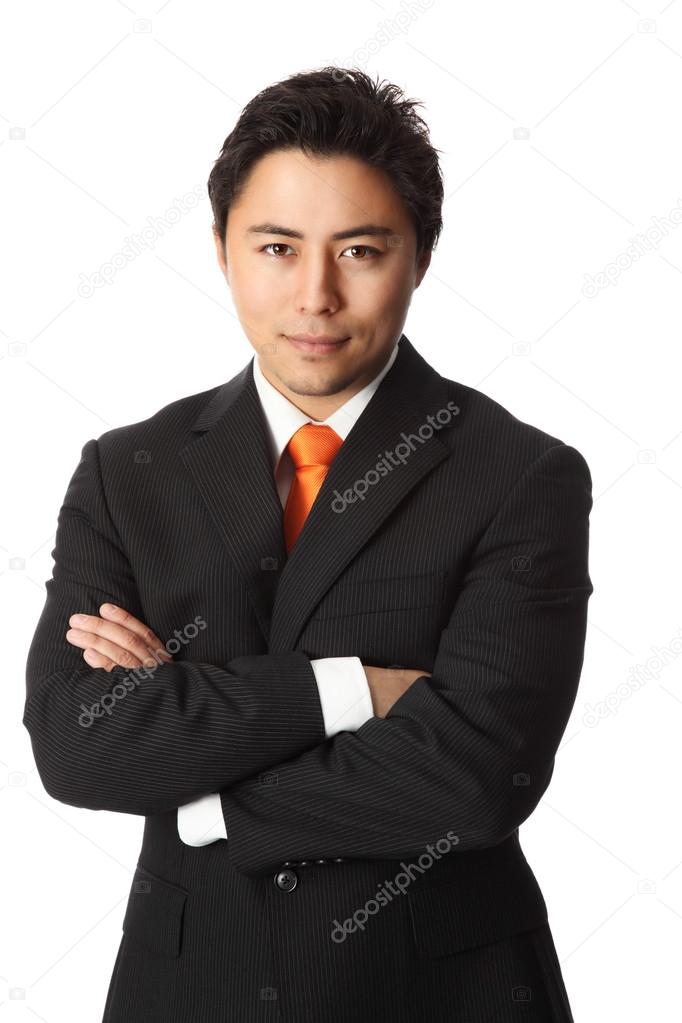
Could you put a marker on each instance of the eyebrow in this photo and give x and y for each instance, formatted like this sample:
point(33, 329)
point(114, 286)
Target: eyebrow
point(351, 232)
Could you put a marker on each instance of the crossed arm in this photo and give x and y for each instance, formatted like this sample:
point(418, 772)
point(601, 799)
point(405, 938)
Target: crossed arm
point(115, 637)
point(469, 750)
point(350, 693)
point(176, 730)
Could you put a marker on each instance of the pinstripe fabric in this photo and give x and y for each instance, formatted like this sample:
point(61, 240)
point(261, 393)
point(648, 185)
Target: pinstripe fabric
point(457, 544)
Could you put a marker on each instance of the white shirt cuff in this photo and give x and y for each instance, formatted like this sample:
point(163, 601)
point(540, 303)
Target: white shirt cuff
point(344, 693)
point(201, 821)
point(346, 705)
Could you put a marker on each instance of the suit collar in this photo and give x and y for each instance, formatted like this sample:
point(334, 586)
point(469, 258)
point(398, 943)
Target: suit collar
point(230, 464)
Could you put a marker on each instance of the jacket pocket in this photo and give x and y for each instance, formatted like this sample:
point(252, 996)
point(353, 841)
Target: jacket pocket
point(483, 906)
point(154, 914)
point(385, 593)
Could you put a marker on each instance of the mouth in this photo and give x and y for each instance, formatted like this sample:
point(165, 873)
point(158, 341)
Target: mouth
point(321, 347)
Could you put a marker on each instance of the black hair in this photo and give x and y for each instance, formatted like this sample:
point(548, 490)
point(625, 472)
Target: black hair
point(336, 111)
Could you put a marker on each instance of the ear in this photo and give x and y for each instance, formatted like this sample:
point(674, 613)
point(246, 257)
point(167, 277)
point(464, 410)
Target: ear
point(221, 253)
point(422, 266)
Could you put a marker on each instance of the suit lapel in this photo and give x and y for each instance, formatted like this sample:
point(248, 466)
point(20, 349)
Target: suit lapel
point(231, 466)
point(330, 537)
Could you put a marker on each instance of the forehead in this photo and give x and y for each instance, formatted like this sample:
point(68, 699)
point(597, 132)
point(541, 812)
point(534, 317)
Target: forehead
point(289, 185)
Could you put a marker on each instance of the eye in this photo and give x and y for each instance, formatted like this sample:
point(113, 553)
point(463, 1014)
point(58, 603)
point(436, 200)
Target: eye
point(368, 248)
point(271, 245)
point(276, 255)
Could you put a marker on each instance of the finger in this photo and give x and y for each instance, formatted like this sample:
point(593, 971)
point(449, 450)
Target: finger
point(119, 615)
point(125, 638)
point(123, 656)
point(96, 660)
point(105, 647)
point(122, 637)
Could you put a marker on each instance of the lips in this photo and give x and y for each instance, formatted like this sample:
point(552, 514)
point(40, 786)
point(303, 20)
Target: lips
point(320, 346)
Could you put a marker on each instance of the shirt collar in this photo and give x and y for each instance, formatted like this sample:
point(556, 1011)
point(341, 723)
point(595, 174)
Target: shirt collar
point(283, 418)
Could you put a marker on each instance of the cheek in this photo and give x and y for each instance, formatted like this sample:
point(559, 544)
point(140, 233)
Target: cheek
point(251, 290)
point(385, 291)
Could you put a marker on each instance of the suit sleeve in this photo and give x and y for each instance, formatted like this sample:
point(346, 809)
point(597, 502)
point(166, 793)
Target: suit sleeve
point(145, 741)
point(346, 704)
point(469, 750)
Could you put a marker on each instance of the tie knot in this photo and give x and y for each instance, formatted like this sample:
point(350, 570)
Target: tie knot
point(313, 444)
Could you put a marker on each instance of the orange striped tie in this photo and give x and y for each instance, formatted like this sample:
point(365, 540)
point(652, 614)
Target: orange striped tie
point(313, 448)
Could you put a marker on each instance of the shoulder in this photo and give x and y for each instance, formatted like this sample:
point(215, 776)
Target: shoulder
point(169, 427)
point(502, 441)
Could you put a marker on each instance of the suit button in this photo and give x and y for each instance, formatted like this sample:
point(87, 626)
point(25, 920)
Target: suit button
point(320, 861)
point(286, 880)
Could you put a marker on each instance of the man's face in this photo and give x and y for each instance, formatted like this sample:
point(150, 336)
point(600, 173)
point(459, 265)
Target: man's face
point(357, 288)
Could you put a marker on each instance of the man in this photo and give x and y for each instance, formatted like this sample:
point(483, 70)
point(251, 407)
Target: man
point(375, 580)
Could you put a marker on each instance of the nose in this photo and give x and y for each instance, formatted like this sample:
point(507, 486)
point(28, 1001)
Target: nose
point(317, 285)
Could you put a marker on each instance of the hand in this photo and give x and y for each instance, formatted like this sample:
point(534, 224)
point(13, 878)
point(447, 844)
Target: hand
point(116, 638)
point(386, 685)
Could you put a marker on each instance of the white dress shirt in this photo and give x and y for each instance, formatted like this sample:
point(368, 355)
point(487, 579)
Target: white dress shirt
point(341, 681)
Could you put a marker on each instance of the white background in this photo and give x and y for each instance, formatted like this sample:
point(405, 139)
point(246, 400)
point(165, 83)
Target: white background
point(560, 136)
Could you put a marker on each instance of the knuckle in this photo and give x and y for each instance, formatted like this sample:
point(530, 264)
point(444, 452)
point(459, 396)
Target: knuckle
point(127, 659)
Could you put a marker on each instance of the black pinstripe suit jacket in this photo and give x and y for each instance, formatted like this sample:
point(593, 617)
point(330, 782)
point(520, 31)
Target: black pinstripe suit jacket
point(377, 875)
